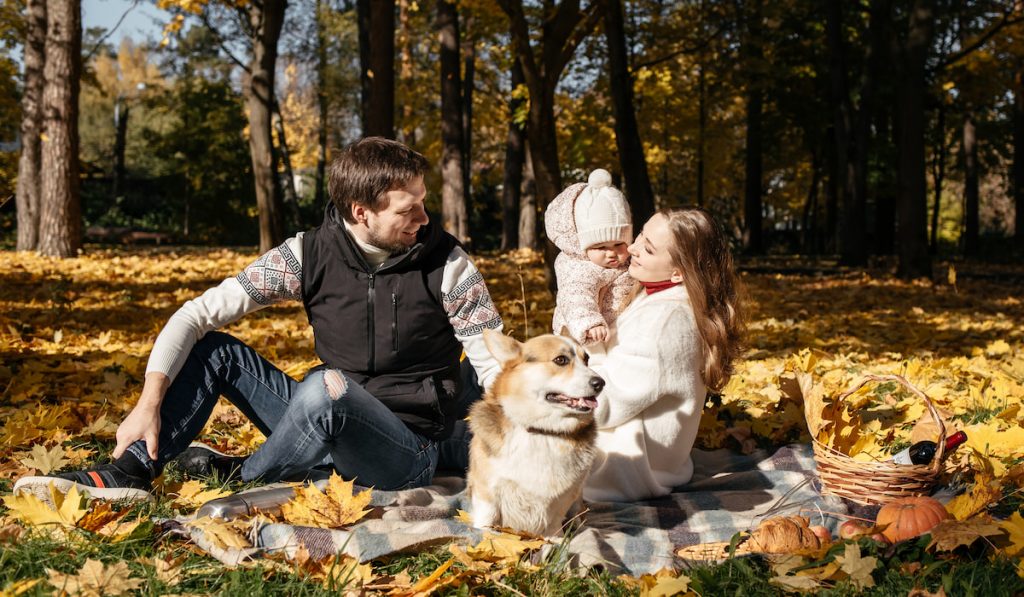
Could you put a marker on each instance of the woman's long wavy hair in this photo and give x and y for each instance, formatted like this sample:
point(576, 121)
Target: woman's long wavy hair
point(701, 253)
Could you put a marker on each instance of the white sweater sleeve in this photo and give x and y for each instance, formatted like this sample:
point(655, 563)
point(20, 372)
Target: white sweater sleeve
point(274, 277)
point(648, 360)
point(470, 311)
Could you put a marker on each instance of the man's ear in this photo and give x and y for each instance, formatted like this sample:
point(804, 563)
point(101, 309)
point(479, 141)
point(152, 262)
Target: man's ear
point(358, 212)
point(504, 348)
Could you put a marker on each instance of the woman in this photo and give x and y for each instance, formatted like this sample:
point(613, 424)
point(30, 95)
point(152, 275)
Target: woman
point(675, 340)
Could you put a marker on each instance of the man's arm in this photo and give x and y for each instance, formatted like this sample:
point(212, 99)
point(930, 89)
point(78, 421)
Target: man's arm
point(273, 277)
point(470, 311)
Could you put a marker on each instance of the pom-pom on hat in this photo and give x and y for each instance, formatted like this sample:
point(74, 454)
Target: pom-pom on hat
point(601, 212)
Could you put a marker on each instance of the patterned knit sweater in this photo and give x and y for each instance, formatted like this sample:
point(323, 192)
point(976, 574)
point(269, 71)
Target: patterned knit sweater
point(276, 276)
point(588, 294)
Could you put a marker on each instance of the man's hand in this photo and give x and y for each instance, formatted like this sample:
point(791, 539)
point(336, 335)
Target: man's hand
point(598, 333)
point(144, 420)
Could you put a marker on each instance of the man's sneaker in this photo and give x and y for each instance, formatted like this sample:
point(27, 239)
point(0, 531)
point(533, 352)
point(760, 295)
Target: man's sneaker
point(200, 460)
point(105, 481)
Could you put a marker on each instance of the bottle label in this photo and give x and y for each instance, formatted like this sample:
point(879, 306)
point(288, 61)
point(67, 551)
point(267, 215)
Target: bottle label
point(902, 458)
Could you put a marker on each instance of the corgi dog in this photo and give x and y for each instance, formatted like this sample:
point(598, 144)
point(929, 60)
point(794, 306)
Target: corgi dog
point(534, 434)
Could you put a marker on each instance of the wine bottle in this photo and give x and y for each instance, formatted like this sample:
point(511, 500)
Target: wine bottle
point(922, 452)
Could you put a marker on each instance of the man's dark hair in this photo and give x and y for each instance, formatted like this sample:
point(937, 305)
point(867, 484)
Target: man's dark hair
point(367, 169)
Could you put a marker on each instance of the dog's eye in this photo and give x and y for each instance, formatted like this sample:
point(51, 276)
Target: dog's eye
point(561, 360)
point(586, 358)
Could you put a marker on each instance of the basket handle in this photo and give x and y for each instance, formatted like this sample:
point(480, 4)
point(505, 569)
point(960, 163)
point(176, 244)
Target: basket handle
point(940, 447)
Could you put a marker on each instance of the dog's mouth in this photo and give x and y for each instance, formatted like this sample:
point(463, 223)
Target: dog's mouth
point(583, 404)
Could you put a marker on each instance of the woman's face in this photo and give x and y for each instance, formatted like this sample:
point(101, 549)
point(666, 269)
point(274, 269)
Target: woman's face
point(651, 261)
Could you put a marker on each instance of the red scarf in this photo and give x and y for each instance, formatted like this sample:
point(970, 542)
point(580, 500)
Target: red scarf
point(652, 287)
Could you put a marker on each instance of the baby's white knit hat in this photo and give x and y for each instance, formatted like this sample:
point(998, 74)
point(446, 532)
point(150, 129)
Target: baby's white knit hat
point(601, 212)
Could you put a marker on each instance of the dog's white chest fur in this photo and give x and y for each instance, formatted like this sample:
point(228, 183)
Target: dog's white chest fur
point(533, 482)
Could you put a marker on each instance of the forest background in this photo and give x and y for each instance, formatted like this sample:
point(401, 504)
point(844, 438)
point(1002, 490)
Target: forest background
point(864, 157)
point(853, 129)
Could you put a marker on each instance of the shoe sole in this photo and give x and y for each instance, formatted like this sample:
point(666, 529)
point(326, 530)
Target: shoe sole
point(40, 488)
point(210, 448)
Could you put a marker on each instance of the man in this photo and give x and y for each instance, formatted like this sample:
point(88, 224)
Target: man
point(393, 301)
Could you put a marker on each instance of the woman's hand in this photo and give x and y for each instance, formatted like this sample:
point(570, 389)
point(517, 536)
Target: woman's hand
point(144, 420)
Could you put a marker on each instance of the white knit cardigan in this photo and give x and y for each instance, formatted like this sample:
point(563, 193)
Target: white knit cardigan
point(650, 408)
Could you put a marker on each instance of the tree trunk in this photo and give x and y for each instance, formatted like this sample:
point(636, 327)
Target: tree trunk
point(969, 152)
point(810, 215)
point(515, 153)
point(267, 19)
point(564, 27)
point(1018, 155)
point(290, 197)
point(528, 225)
point(938, 177)
point(121, 113)
point(29, 183)
point(702, 125)
point(469, 73)
point(377, 59)
point(60, 225)
point(321, 101)
point(753, 186)
point(453, 198)
point(914, 260)
point(407, 126)
point(843, 176)
point(885, 191)
point(627, 133)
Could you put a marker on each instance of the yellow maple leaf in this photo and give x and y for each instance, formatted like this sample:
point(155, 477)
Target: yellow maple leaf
point(335, 507)
point(985, 491)
point(193, 494)
point(666, 586)
point(857, 566)
point(1014, 528)
point(96, 579)
point(502, 547)
point(990, 438)
point(45, 461)
point(223, 533)
point(18, 587)
point(950, 534)
point(167, 570)
point(69, 508)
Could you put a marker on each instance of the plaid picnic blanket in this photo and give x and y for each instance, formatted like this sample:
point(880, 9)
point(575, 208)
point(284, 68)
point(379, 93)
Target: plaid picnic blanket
point(729, 493)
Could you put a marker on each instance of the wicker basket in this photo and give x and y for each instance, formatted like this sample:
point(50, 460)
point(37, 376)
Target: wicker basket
point(872, 483)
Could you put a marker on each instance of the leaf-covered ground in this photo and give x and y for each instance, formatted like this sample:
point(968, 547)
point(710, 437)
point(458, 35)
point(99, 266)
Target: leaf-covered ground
point(75, 335)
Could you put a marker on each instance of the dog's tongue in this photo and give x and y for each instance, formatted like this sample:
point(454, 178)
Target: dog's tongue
point(590, 401)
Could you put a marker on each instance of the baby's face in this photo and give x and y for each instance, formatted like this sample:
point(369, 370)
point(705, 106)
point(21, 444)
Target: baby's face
point(610, 254)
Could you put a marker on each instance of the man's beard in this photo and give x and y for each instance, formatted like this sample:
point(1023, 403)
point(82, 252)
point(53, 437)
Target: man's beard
point(390, 246)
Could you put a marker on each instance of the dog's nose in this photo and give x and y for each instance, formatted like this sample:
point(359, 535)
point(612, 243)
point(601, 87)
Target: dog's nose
point(597, 383)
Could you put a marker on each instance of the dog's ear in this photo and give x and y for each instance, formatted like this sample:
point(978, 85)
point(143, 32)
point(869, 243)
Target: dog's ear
point(504, 348)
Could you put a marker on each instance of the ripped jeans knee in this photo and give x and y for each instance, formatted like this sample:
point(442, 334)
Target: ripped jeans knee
point(335, 384)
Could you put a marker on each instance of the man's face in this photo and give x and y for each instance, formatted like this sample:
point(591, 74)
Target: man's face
point(394, 228)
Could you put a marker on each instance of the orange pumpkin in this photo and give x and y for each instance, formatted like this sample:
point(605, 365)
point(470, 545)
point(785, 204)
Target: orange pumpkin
point(906, 518)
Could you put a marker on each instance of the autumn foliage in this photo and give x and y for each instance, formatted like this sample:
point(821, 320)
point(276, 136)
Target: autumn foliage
point(75, 335)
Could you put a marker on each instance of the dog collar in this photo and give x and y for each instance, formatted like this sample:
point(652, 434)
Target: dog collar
point(578, 431)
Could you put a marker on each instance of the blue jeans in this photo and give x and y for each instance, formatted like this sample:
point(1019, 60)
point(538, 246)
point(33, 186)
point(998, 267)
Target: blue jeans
point(324, 419)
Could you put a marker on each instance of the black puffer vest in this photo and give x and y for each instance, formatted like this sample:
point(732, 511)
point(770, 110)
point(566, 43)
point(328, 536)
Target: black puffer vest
point(387, 330)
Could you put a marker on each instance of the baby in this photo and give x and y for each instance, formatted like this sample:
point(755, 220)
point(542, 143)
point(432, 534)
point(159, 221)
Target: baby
point(591, 226)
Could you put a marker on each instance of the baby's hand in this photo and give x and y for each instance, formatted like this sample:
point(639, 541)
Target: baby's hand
point(598, 333)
